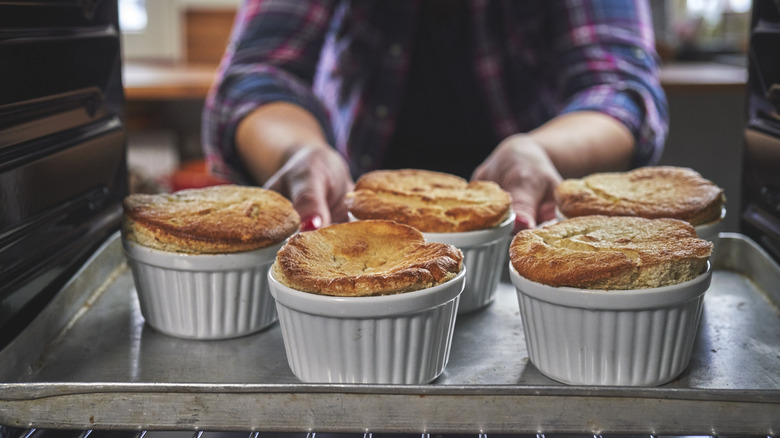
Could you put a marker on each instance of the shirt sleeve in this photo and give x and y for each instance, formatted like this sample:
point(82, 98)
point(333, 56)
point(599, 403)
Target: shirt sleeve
point(272, 57)
point(607, 62)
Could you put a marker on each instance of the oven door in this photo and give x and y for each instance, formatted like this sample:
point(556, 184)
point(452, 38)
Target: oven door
point(62, 147)
point(761, 165)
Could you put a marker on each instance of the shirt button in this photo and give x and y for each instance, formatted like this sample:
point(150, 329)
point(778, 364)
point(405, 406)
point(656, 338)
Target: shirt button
point(381, 111)
point(638, 53)
point(365, 161)
point(396, 50)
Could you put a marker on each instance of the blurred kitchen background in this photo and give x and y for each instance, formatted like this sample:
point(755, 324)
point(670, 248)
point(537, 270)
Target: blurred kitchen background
point(171, 49)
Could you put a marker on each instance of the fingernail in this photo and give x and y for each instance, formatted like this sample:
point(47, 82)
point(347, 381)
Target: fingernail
point(521, 223)
point(310, 223)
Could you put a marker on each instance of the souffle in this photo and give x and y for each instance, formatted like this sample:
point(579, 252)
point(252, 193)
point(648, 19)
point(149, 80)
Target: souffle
point(650, 192)
point(213, 220)
point(432, 202)
point(365, 258)
point(603, 252)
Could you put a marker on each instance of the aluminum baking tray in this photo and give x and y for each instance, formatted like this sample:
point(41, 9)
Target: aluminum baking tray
point(89, 362)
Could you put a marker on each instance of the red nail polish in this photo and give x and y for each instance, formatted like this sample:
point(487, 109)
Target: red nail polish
point(310, 223)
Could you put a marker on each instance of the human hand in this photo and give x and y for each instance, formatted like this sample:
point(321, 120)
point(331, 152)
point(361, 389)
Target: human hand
point(522, 167)
point(316, 179)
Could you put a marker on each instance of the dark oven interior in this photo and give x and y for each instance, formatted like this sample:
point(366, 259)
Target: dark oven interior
point(761, 166)
point(62, 147)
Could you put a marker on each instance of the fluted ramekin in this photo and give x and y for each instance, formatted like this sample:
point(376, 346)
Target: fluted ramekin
point(711, 230)
point(203, 296)
point(641, 337)
point(484, 254)
point(391, 339)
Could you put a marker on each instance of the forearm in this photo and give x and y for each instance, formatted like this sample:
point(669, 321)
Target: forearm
point(585, 142)
point(614, 70)
point(269, 135)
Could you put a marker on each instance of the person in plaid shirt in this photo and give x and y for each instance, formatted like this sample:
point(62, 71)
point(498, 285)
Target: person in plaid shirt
point(311, 94)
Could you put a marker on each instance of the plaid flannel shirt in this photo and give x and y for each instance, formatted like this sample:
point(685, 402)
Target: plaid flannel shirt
point(345, 61)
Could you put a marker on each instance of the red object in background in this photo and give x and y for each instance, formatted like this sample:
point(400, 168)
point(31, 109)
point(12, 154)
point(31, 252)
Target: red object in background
point(193, 175)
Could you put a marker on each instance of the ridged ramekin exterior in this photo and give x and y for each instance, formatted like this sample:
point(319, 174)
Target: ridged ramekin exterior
point(198, 302)
point(710, 231)
point(578, 345)
point(625, 348)
point(397, 350)
point(411, 347)
point(485, 257)
point(484, 264)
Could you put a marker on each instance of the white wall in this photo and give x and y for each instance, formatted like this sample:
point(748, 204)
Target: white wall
point(162, 40)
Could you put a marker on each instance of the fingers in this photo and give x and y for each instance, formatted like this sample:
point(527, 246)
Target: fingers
point(309, 204)
point(338, 211)
point(546, 211)
point(522, 168)
point(309, 199)
point(524, 205)
point(316, 180)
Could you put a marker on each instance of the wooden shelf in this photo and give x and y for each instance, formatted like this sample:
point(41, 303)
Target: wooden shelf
point(702, 76)
point(165, 81)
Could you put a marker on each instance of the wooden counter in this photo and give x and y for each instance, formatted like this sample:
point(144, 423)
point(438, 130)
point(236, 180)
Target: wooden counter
point(702, 76)
point(161, 81)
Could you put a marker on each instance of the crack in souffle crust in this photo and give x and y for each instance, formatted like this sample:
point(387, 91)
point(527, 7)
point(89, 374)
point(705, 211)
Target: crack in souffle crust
point(213, 220)
point(365, 258)
point(432, 202)
point(604, 252)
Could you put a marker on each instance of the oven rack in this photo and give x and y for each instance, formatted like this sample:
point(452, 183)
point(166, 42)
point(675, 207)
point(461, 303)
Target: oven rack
point(59, 433)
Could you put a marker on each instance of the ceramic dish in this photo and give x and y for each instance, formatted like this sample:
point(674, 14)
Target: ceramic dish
point(390, 339)
point(641, 337)
point(211, 296)
point(484, 254)
point(711, 230)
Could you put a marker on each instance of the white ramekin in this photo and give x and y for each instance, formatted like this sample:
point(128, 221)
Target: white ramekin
point(391, 339)
point(640, 337)
point(209, 296)
point(711, 230)
point(484, 254)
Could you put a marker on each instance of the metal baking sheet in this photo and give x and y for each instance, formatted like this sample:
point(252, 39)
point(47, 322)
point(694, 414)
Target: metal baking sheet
point(89, 362)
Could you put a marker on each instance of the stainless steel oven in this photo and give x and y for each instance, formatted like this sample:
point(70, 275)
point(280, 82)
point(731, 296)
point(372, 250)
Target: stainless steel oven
point(761, 167)
point(78, 361)
point(62, 155)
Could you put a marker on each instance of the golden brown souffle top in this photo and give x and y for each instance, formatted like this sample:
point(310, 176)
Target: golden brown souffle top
point(213, 220)
point(365, 258)
point(651, 192)
point(432, 202)
point(604, 252)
